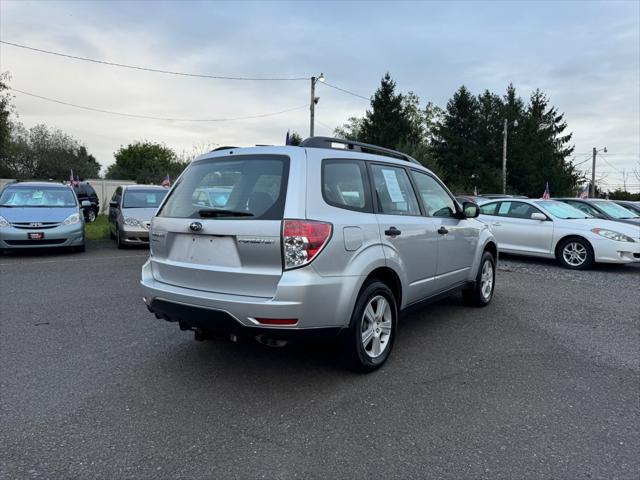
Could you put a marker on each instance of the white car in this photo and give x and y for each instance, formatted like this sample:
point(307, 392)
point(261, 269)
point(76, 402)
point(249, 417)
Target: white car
point(551, 229)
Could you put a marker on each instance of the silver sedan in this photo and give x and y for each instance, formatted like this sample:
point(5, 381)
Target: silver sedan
point(551, 229)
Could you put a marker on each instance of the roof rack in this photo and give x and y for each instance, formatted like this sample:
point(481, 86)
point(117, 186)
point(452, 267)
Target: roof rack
point(225, 147)
point(327, 142)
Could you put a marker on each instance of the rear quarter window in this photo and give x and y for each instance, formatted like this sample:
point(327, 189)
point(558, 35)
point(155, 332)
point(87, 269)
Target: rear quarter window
point(345, 184)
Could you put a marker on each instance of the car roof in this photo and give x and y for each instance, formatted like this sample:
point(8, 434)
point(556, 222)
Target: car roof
point(295, 151)
point(143, 187)
point(37, 184)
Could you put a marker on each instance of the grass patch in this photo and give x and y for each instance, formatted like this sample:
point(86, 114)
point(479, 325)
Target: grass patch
point(98, 230)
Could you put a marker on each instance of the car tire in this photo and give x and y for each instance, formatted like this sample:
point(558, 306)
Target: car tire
point(91, 215)
point(368, 341)
point(575, 254)
point(119, 243)
point(481, 293)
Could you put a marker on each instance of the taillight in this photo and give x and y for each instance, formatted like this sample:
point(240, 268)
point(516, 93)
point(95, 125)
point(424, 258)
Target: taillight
point(302, 240)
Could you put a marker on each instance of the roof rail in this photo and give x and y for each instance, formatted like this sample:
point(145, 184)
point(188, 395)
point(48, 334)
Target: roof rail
point(327, 142)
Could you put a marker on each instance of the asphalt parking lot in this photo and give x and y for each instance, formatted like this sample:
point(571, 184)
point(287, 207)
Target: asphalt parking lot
point(543, 383)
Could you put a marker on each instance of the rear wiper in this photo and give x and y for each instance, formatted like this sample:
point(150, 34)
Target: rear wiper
point(223, 213)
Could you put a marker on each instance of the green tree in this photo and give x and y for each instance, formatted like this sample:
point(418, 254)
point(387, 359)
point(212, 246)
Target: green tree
point(295, 138)
point(489, 142)
point(6, 109)
point(350, 130)
point(43, 153)
point(541, 150)
point(389, 122)
point(455, 145)
point(145, 162)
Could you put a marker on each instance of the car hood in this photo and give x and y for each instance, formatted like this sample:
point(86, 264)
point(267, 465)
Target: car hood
point(36, 214)
point(140, 214)
point(620, 227)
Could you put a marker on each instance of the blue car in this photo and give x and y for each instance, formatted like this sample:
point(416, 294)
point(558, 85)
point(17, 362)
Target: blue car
point(40, 214)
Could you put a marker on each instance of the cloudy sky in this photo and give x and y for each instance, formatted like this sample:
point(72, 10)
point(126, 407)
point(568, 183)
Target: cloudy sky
point(584, 55)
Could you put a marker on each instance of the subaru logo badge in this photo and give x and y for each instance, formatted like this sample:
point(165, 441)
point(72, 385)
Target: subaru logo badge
point(195, 226)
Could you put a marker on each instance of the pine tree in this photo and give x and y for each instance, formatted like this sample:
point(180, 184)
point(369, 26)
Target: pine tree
point(456, 146)
point(490, 128)
point(542, 148)
point(387, 124)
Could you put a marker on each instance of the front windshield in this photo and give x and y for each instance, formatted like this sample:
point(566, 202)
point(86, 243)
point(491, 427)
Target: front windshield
point(41, 196)
point(562, 210)
point(613, 209)
point(140, 198)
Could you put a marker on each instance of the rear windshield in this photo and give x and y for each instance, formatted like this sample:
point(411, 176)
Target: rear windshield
point(243, 187)
point(139, 198)
point(37, 197)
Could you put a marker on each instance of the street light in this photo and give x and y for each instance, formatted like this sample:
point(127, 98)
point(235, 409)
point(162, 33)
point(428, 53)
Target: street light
point(504, 153)
point(314, 100)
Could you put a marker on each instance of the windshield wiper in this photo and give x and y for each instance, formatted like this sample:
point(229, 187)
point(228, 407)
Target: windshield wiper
point(223, 213)
point(7, 206)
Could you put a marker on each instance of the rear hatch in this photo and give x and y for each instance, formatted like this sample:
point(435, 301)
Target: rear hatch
point(219, 228)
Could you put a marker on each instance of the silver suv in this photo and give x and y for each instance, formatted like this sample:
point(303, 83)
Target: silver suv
point(285, 243)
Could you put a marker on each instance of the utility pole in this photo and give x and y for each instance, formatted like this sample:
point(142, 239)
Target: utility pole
point(314, 100)
point(313, 105)
point(504, 157)
point(593, 174)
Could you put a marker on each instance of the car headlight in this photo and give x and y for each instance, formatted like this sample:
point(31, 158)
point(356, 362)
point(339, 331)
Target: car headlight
point(132, 222)
point(72, 219)
point(3, 222)
point(611, 235)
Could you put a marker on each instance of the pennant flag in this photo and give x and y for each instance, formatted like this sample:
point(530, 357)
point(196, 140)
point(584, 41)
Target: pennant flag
point(546, 195)
point(72, 179)
point(585, 192)
point(166, 182)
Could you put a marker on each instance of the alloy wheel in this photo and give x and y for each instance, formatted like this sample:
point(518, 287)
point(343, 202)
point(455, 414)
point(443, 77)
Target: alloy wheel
point(486, 280)
point(574, 254)
point(376, 326)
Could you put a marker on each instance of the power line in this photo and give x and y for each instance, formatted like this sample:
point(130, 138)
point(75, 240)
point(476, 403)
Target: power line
point(155, 70)
point(149, 117)
point(346, 91)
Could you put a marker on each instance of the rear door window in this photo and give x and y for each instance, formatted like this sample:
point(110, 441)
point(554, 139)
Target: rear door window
point(394, 193)
point(242, 187)
point(345, 184)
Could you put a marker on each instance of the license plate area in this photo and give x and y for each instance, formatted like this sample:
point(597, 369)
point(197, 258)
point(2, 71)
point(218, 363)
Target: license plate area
point(35, 235)
point(209, 250)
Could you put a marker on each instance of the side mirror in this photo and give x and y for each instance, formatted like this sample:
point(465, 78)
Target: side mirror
point(538, 216)
point(470, 209)
point(85, 203)
point(113, 204)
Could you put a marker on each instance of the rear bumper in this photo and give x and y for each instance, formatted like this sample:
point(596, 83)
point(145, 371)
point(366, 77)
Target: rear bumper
point(316, 302)
point(220, 322)
point(608, 251)
point(62, 236)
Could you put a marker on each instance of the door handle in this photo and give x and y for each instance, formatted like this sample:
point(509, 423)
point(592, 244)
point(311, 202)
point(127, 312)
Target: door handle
point(392, 232)
point(442, 231)
point(497, 224)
